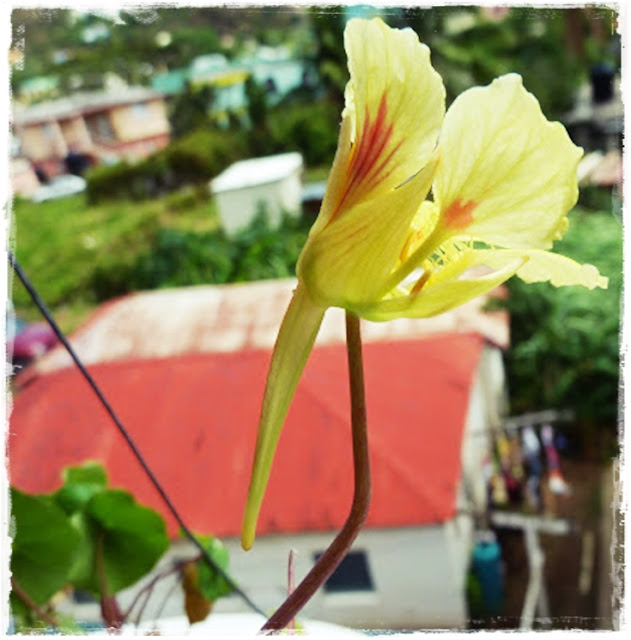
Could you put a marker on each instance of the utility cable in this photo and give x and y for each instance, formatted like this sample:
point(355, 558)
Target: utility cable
point(132, 445)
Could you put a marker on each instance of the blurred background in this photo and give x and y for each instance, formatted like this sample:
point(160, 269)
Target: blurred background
point(169, 147)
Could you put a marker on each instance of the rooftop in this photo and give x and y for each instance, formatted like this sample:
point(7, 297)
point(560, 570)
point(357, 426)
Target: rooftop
point(226, 318)
point(194, 417)
point(79, 103)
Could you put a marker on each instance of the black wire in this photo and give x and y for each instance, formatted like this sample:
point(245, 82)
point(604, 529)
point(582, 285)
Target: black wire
point(167, 501)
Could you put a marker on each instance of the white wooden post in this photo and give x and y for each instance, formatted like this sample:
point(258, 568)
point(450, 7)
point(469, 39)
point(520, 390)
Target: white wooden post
point(536, 600)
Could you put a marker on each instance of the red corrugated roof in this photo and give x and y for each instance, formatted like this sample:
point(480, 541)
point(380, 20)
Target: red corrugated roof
point(221, 318)
point(194, 417)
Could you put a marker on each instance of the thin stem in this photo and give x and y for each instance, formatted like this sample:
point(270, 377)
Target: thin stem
point(331, 558)
point(148, 588)
point(110, 610)
point(31, 604)
point(291, 584)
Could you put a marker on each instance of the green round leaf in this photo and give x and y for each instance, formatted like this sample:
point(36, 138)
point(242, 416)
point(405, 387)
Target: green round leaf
point(211, 583)
point(44, 545)
point(133, 537)
point(80, 484)
point(83, 571)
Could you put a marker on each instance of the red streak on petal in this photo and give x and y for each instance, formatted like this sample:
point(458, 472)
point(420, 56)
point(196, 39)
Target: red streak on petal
point(364, 167)
point(459, 215)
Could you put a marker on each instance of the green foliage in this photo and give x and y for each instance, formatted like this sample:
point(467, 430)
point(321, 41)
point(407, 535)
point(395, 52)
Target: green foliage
point(259, 139)
point(131, 538)
point(264, 253)
point(565, 342)
point(329, 57)
point(193, 158)
point(137, 181)
point(183, 258)
point(80, 484)
point(97, 539)
point(212, 584)
point(311, 129)
point(470, 49)
point(44, 545)
point(203, 154)
point(179, 258)
point(106, 238)
point(187, 198)
point(203, 584)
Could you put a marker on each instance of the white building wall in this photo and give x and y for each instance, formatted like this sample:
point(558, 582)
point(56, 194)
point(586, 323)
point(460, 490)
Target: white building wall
point(486, 408)
point(414, 572)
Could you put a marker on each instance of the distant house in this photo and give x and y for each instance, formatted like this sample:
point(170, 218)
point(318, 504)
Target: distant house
point(108, 126)
point(226, 79)
point(185, 369)
point(23, 179)
point(278, 71)
point(39, 88)
point(271, 67)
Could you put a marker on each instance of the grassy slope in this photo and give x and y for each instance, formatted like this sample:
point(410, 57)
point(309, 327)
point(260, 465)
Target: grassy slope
point(59, 243)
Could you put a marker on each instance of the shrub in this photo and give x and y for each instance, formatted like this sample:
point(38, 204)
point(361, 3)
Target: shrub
point(192, 159)
point(565, 351)
point(311, 129)
point(188, 197)
point(203, 154)
point(121, 181)
point(180, 258)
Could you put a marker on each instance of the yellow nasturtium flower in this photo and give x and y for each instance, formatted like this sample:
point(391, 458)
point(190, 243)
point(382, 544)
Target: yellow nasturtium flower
point(502, 180)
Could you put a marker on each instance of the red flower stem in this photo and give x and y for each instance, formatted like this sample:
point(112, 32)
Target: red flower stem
point(331, 558)
point(291, 585)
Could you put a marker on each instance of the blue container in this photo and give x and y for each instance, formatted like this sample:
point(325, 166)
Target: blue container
point(487, 568)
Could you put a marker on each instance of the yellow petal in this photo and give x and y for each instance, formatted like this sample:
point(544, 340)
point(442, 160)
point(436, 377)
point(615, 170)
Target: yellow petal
point(349, 261)
point(294, 343)
point(560, 271)
point(445, 289)
point(507, 176)
point(395, 103)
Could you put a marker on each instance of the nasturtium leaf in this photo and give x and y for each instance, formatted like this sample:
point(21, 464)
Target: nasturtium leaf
point(80, 484)
point(133, 537)
point(83, 571)
point(212, 584)
point(44, 545)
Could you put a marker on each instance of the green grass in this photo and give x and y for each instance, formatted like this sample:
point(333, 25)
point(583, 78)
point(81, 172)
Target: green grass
point(60, 243)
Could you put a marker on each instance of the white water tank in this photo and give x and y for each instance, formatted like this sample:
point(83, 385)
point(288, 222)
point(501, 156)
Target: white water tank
point(272, 182)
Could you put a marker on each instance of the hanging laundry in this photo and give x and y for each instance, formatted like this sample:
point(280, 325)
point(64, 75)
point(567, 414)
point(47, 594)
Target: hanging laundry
point(514, 470)
point(556, 481)
point(532, 454)
point(499, 493)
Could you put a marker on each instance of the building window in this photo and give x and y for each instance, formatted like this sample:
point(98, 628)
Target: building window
point(99, 126)
point(140, 110)
point(353, 574)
